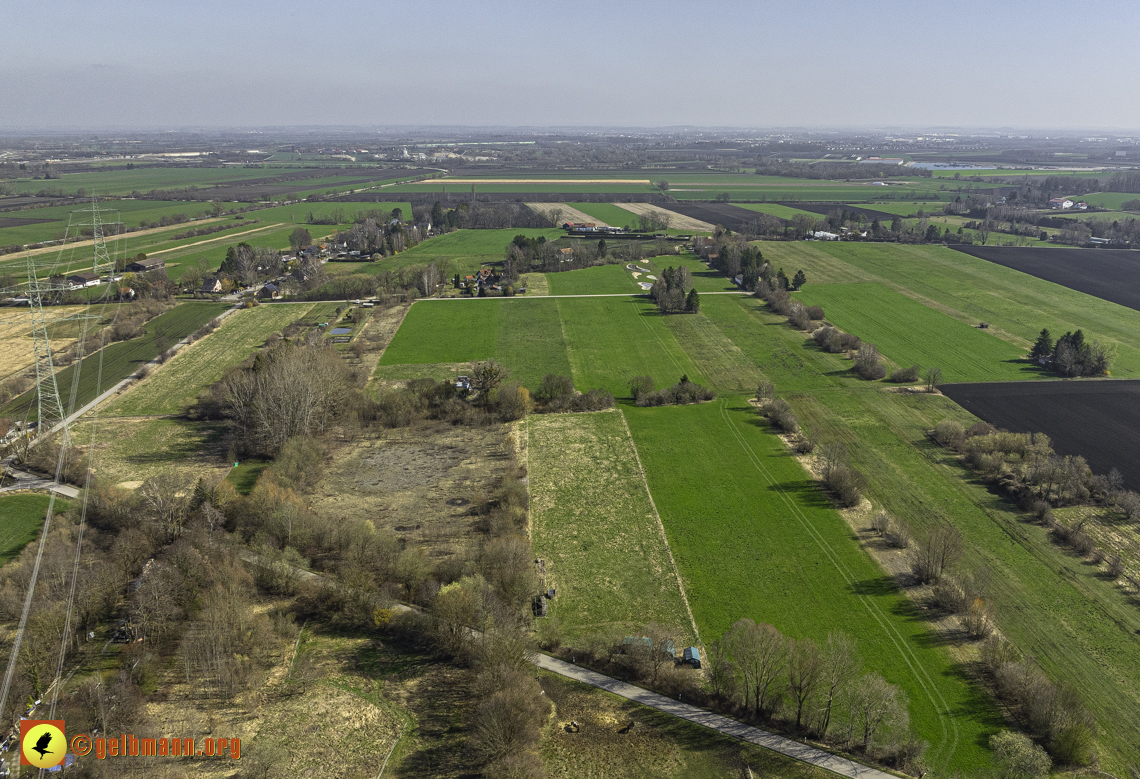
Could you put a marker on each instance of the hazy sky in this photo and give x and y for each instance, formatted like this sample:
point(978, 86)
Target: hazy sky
point(827, 63)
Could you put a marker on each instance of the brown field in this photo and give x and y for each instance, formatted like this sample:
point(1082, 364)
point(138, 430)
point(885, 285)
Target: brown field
point(333, 727)
point(16, 336)
point(677, 221)
point(423, 482)
point(568, 213)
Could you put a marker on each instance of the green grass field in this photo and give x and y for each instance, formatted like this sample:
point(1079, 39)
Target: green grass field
point(599, 280)
point(177, 384)
point(705, 279)
point(524, 335)
point(593, 523)
point(970, 290)
point(614, 216)
point(20, 519)
point(611, 340)
point(464, 251)
point(783, 212)
point(909, 333)
point(120, 360)
point(1113, 200)
point(766, 544)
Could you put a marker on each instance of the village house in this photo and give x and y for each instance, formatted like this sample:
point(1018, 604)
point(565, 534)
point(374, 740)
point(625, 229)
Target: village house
point(269, 291)
point(211, 286)
point(83, 279)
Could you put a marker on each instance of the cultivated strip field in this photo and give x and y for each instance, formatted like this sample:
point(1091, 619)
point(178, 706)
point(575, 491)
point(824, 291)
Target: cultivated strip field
point(677, 220)
point(593, 524)
point(1109, 274)
point(971, 290)
point(120, 360)
point(177, 384)
point(567, 213)
point(909, 333)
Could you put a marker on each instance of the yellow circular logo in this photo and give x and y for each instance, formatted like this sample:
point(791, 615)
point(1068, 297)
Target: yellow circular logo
point(44, 746)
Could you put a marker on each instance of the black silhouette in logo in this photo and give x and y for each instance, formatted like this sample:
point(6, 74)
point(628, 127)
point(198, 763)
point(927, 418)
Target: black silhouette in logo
point(42, 744)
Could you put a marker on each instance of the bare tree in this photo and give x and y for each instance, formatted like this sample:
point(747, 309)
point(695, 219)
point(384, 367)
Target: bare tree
point(875, 706)
point(840, 660)
point(941, 549)
point(805, 672)
point(760, 652)
point(164, 501)
point(428, 281)
point(933, 378)
point(488, 375)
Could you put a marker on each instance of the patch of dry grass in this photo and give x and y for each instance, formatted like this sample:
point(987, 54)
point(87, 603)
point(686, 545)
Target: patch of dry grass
point(593, 524)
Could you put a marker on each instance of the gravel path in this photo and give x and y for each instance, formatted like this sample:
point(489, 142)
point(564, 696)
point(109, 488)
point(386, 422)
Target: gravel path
point(725, 725)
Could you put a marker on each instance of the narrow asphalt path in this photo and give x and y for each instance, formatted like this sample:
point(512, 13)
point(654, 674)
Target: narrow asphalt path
point(725, 725)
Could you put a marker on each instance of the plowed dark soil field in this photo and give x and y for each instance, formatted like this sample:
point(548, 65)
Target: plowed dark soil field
point(1099, 420)
point(733, 217)
point(1109, 274)
point(823, 209)
point(11, 221)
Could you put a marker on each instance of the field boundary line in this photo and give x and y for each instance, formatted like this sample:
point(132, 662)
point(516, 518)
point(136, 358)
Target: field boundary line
point(214, 240)
point(661, 529)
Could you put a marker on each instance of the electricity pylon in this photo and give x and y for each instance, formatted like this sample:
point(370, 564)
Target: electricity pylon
point(50, 412)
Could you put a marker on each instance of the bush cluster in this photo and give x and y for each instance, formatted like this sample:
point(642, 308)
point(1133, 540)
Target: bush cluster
point(683, 392)
point(557, 393)
point(868, 363)
point(835, 341)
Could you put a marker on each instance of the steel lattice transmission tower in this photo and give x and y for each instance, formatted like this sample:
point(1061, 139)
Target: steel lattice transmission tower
point(50, 411)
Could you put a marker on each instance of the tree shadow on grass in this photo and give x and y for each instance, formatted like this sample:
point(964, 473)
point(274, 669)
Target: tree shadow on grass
point(976, 702)
point(207, 444)
point(806, 493)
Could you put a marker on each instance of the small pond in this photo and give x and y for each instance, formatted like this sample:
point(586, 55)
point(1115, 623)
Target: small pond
point(341, 330)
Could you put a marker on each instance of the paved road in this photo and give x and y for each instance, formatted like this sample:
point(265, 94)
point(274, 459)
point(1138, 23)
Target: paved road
point(28, 481)
point(725, 725)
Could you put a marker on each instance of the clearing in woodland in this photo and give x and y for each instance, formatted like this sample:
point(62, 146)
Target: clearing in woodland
point(593, 524)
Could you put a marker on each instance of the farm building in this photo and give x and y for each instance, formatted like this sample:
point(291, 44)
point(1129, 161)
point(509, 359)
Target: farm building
point(269, 291)
point(83, 279)
point(146, 265)
point(822, 235)
point(211, 285)
point(1060, 202)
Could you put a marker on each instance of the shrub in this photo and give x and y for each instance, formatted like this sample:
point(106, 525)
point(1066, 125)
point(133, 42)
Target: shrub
point(798, 316)
point(847, 485)
point(780, 414)
point(765, 391)
point(815, 313)
point(905, 375)
point(641, 386)
point(868, 363)
point(804, 445)
point(881, 522)
point(948, 432)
